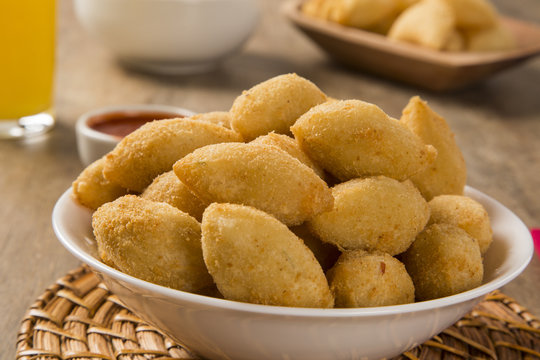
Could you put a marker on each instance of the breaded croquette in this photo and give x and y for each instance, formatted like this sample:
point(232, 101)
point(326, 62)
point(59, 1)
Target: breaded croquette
point(152, 241)
point(92, 190)
point(362, 279)
point(273, 105)
point(353, 138)
point(373, 214)
point(255, 258)
point(169, 189)
point(152, 149)
point(261, 176)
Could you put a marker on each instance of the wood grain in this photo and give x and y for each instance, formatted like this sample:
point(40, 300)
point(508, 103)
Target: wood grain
point(497, 125)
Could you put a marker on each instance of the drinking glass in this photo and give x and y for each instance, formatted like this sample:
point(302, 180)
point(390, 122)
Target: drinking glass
point(27, 36)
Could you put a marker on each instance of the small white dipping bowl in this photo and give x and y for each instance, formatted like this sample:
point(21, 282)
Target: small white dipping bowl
point(222, 329)
point(93, 144)
point(170, 36)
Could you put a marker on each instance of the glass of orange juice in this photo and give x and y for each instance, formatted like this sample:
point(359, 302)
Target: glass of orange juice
point(27, 35)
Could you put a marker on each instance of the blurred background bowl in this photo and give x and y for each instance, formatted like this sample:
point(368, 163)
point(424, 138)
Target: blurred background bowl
point(170, 36)
point(222, 329)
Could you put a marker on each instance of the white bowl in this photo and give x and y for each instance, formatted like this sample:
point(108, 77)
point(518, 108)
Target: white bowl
point(222, 329)
point(170, 36)
point(93, 144)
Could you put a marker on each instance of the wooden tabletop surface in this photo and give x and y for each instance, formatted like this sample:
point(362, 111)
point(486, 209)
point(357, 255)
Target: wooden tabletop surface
point(497, 125)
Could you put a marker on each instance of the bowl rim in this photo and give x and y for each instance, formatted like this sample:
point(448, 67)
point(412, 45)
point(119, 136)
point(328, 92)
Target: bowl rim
point(223, 304)
point(82, 128)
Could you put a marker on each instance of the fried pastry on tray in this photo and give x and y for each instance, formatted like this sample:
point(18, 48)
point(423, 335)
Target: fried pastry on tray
point(429, 23)
point(496, 38)
point(473, 14)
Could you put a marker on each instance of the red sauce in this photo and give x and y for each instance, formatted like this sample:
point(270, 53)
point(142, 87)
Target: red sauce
point(122, 123)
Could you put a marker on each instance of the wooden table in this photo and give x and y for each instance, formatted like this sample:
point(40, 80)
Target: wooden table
point(497, 125)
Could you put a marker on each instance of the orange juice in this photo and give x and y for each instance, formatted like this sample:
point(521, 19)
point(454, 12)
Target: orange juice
point(27, 32)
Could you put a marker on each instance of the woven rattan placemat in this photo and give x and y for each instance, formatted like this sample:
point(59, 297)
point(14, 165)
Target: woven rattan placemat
point(78, 318)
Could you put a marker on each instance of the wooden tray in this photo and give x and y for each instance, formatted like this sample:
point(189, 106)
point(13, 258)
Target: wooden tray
point(412, 64)
point(78, 318)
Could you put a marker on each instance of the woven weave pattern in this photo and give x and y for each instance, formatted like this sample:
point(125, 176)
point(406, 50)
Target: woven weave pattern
point(77, 318)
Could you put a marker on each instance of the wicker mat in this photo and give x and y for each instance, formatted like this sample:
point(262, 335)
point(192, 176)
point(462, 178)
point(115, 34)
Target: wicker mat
point(77, 318)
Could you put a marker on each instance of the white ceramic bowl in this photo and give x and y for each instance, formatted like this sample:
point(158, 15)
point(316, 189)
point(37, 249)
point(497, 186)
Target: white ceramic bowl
point(170, 36)
point(222, 329)
point(93, 144)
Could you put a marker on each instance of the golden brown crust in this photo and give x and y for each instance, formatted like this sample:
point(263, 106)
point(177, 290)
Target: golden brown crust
point(373, 214)
point(169, 189)
point(448, 173)
point(466, 213)
point(153, 148)
point(291, 147)
point(92, 190)
point(361, 279)
point(261, 176)
point(221, 118)
point(151, 241)
point(353, 139)
point(273, 105)
point(443, 260)
point(255, 258)
point(326, 253)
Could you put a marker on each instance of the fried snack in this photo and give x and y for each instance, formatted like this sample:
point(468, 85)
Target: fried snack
point(496, 38)
point(151, 241)
point(361, 13)
point(353, 138)
point(255, 258)
point(448, 173)
point(221, 118)
point(373, 214)
point(167, 188)
point(92, 190)
point(401, 5)
point(290, 146)
point(429, 23)
point(317, 8)
point(153, 148)
point(383, 26)
point(456, 42)
point(361, 279)
point(473, 14)
point(463, 212)
point(325, 253)
point(443, 260)
point(261, 176)
point(273, 105)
